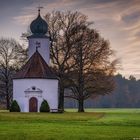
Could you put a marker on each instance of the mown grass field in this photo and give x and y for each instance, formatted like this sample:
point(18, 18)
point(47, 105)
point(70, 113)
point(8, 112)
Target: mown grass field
point(95, 124)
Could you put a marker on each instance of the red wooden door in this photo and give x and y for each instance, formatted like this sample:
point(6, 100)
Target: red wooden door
point(33, 104)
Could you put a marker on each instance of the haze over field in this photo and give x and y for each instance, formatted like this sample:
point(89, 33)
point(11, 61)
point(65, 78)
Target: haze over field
point(117, 20)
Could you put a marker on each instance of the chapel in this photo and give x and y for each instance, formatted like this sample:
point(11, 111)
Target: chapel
point(36, 81)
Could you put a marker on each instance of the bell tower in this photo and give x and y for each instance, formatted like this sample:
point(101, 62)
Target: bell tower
point(39, 39)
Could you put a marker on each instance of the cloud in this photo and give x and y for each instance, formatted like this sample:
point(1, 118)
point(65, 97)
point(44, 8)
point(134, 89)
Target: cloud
point(116, 20)
point(24, 20)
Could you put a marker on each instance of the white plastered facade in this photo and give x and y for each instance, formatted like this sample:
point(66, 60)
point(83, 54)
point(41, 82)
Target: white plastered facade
point(41, 89)
point(43, 49)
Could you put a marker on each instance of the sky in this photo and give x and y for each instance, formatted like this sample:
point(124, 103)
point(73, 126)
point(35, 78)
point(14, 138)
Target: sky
point(116, 20)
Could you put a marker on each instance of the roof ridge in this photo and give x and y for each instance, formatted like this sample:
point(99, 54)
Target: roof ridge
point(41, 62)
point(26, 70)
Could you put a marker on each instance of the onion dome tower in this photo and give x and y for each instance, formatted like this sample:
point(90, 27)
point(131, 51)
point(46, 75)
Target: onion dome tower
point(39, 27)
point(39, 39)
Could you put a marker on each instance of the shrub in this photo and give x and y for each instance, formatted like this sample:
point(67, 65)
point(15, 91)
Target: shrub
point(14, 107)
point(44, 106)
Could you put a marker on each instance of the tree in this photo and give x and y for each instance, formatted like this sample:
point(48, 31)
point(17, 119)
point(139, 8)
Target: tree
point(92, 72)
point(62, 28)
point(12, 56)
point(131, 77)
point(14, 107)
point(44, 106)
point(81, 55)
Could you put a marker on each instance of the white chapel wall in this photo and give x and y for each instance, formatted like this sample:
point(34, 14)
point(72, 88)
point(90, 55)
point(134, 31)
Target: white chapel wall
point(49, 89)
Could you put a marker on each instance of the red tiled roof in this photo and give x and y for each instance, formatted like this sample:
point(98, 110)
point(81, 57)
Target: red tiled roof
point(36, 67)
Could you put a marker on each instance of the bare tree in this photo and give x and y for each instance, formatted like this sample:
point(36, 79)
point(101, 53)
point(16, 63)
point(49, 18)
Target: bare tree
point(12, 56)
point(92, 72)
point(81, 55)
point(62, 29)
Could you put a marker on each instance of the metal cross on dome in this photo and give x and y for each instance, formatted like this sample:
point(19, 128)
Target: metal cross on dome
point(39, 8)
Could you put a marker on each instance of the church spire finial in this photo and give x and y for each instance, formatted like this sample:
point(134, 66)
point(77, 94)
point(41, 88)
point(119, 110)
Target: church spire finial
point(39, 9)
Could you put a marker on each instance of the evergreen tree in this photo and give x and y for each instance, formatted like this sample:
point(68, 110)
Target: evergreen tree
point(14, 107)
point(44, 106)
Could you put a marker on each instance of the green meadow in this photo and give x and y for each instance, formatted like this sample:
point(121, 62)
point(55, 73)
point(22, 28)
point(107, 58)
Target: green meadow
point(94, 124)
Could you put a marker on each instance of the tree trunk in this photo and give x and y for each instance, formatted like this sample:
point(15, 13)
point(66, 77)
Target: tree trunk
point(7, 93)
point(61, 98)
point(81, 105)
point(7, 102)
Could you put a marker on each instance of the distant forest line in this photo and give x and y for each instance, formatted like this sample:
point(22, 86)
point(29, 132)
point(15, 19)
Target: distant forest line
point(125, 95)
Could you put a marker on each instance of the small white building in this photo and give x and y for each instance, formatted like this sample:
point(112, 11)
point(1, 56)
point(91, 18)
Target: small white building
point(36, 81)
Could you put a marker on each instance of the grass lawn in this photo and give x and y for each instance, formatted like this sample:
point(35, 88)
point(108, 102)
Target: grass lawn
point(95, 124)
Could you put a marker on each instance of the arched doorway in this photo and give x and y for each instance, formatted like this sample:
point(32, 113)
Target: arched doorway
point(33, 104)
